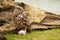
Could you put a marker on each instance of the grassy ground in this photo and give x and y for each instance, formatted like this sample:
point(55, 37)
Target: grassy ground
point(53, 34)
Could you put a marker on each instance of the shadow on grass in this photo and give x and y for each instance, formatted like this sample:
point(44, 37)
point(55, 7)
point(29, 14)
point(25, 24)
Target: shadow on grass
point(41, 29)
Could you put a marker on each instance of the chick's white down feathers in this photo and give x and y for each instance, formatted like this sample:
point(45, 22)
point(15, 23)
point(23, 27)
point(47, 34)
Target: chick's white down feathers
point(22, 32)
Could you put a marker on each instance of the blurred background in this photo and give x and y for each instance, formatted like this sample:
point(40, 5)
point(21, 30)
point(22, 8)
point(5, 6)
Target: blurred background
point(47, 5)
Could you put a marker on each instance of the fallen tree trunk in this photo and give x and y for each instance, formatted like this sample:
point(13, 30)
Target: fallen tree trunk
point(39, 26)
point(51, 21)
point(17, 18)
point(52, 16)
point(44, 19)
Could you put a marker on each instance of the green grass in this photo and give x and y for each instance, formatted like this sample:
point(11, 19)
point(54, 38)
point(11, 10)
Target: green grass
point(53, 34)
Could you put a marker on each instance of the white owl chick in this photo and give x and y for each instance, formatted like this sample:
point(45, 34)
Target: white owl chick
point(22, 32)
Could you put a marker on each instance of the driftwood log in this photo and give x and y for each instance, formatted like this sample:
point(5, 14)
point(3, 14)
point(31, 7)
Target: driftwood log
point(51, 21)
point(19, 16)
point(45, 20)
